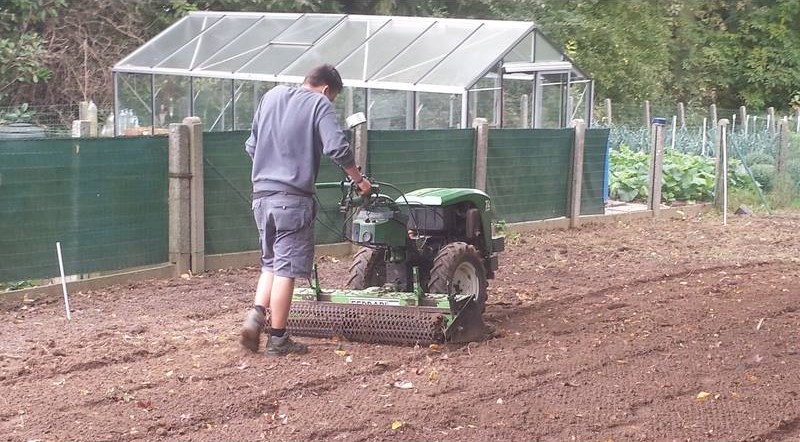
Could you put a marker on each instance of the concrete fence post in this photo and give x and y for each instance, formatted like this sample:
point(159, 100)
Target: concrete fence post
point(179, 198)
point(576, 185)
point(81, 129)
point(682, 114)
point(609, 116)
point(481, 126)
point(656, 164)
point(360, 138)
point(197, 204)
point(646, 113)
point(721, 151)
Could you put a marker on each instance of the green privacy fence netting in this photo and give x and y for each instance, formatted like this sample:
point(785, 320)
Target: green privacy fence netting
point(105, 200)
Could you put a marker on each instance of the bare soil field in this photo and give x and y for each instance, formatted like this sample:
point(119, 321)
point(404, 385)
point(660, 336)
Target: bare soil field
point(681, 330)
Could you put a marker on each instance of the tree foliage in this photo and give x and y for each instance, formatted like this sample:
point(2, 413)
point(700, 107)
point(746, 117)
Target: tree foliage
point(729, 52)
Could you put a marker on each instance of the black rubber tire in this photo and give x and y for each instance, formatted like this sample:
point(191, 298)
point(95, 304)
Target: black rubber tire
point(368, 269)
point(449, 258)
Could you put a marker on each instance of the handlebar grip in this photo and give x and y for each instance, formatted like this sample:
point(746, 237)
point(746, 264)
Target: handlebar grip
point(331, 185)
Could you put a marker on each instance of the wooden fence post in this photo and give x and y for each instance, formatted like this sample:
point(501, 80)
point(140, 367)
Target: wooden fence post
point(481, 126)
point(721, 151)
point(656, 163)
point(578, 145)
point(197, 205)
point(179, 198)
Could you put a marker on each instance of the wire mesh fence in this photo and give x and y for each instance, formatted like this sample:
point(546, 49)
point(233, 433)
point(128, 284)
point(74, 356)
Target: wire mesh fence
point(763, 149)
point(39, 121)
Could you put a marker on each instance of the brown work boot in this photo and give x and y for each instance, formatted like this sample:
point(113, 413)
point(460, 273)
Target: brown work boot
point(252, 329)
point(284, 345)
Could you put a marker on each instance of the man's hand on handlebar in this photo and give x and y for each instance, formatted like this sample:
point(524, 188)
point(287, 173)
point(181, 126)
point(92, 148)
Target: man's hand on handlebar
point(364, 186)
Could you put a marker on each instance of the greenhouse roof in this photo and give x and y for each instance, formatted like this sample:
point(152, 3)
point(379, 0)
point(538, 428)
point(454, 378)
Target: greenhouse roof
point(402, 53)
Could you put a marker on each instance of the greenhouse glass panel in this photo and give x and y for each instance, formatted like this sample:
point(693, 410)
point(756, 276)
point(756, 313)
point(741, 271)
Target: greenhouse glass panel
point(388, 109)
point(307, 29)
point(545, 51)
point(213, 103)
point(552, 95)
point(381, 48)
point(272, 60)
point(247, 95)
point(170, 41)
point(133, 103)
point(350, 101)
point(208, 43)
point(438, 111)
point(517, 103)
point(473, 57)
point(247, 45)
point(172, 99)
point(578, 100)
point(337, 45)
point(522, 52)
point(482, 100)
point(422, 55)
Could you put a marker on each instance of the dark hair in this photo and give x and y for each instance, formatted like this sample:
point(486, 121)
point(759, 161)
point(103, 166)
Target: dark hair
point(325, 75)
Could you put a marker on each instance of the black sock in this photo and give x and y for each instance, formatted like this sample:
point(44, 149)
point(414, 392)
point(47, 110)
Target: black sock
point(260, 309)
point(277, 332)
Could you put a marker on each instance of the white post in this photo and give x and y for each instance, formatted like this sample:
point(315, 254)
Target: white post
point(797, 121)
point(724, 147)
point(674, 130)
point(733, 123)
point(63, 280)
point(705, 132)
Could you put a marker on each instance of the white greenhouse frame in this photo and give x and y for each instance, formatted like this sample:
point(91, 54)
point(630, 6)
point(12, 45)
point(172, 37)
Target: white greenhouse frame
point(470, 61)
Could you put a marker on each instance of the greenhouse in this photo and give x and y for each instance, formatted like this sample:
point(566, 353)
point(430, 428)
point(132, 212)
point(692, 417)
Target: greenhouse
point(402, 72)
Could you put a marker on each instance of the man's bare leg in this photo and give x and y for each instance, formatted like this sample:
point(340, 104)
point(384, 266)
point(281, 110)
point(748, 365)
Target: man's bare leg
point(279, 342)
point(254, 323)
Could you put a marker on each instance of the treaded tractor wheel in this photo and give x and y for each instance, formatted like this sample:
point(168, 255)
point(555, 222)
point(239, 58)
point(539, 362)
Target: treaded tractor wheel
point(368, 269)
point(458, 269)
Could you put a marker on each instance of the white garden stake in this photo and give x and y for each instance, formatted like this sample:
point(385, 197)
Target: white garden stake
point(63, 282)
point(724, 148)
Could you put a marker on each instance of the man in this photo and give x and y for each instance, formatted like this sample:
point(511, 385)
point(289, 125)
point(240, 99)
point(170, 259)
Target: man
point(292, 128)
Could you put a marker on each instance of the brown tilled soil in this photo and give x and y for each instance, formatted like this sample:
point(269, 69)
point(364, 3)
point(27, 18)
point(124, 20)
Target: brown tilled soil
point(644, 331)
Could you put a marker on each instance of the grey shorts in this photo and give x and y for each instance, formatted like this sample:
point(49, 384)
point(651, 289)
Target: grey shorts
point(286, 233)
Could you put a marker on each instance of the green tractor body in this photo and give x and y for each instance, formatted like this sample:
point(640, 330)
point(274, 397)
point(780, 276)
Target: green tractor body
point(419, 276)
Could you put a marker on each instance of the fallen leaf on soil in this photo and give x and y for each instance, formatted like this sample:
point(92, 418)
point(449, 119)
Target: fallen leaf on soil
point(396, 425)
point(169, 373)
point(147, 405)
point(381, 363)
point(340, 352)
point(435, 347)
point(243, 366)
point(433, 375)
point(702, 396)
point(404, 385)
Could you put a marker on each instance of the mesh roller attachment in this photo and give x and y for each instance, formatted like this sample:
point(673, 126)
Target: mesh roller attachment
point(366, 323)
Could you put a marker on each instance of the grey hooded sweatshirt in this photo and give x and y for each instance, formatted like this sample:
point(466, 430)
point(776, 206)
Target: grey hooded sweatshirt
point(292, 128)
